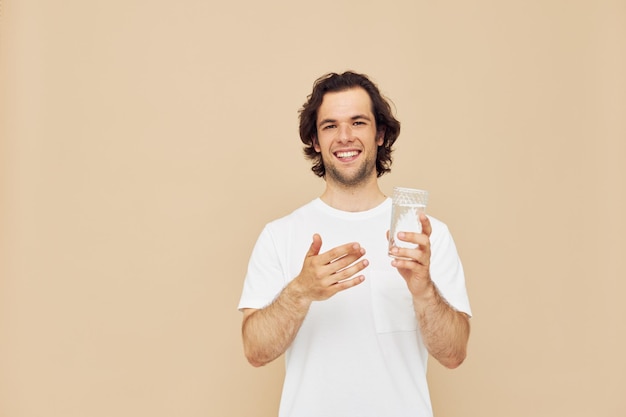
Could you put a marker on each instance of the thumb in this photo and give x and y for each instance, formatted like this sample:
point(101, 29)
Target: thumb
point(316, 245)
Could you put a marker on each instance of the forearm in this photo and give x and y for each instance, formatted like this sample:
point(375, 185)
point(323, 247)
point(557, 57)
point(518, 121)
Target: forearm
point(445, 330)
point(268, 332)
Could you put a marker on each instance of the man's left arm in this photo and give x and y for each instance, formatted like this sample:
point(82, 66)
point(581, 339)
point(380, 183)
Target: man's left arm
point(445, 330)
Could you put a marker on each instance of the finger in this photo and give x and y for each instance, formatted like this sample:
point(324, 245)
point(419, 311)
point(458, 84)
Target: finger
point(348, 283)
point(412, 256)
point(315, 247)
point(335, 254)
point(426, 226)
point(409, 258)
point(345, 267)
point(421, 238)
point(414, 237)
point(351, 271)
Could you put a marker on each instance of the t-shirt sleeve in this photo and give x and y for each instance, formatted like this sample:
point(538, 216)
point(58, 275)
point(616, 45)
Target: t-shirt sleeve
point(265, 276)
point(446, 269)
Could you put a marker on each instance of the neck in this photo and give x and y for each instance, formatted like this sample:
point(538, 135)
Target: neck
point(353, 199)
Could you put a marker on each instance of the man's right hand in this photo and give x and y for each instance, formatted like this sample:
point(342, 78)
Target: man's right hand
point(324, 275)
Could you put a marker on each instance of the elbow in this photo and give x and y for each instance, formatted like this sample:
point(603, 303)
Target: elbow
point(453, 364)
point(255, 362)
point(254, 358)
point(453, 361)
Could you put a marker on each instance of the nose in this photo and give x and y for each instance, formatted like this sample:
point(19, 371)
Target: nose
point(344, 133)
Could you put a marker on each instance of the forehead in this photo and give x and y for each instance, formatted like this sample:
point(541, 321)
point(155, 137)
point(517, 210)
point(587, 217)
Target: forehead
point(345, 103)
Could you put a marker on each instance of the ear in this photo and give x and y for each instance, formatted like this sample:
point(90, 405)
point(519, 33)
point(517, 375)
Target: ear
point(380, 136)
point(316, 145)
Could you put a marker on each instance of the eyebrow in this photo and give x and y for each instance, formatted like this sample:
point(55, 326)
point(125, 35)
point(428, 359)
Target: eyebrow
point(353, 118)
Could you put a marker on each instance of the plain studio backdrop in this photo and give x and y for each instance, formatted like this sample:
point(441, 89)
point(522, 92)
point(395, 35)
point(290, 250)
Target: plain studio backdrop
point(144, 144)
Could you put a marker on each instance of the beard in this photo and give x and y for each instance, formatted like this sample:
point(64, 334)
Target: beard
point(360, 176)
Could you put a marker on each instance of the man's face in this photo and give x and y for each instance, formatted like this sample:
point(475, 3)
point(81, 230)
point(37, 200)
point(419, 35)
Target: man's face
point(347, 137)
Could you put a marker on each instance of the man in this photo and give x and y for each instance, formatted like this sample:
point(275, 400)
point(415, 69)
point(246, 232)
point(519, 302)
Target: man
point(356, 326)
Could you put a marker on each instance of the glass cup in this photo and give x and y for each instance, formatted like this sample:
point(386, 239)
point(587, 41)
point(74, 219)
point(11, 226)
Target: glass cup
point(407, 204)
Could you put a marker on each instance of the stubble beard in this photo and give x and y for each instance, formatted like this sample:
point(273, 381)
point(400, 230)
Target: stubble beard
point(360, 177)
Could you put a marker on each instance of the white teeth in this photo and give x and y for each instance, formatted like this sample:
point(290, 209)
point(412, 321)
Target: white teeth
point(347, 154)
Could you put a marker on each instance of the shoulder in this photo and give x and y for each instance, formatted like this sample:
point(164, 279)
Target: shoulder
point(438, 226)
point(281, 227)
point(295, 216)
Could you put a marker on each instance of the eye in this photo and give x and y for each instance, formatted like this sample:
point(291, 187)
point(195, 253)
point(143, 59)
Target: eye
point(326, 127)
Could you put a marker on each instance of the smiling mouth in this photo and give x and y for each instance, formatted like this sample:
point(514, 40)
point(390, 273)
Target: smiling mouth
point(346, 154)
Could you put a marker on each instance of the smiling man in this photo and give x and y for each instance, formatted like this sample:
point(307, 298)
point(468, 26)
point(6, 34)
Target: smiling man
point(347, 139)
point(356, 326)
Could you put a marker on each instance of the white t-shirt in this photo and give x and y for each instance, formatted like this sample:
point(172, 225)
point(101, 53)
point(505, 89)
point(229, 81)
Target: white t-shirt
point(359, 353)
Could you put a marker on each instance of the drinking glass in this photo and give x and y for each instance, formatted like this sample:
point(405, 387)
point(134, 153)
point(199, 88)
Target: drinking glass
point(407, 204)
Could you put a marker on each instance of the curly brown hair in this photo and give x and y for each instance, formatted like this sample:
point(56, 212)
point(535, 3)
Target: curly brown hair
point(385, 121)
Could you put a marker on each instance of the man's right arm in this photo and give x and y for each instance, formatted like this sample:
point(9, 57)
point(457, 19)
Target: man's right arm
point(268, 332)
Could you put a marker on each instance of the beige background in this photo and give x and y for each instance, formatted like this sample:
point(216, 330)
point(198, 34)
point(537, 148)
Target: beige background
point(146, 143)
